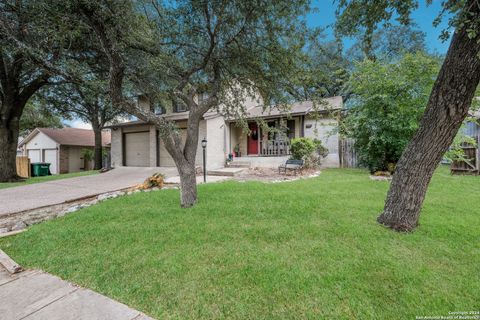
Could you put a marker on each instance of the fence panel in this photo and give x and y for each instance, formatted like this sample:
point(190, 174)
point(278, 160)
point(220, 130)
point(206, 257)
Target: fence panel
point(348, 154)
point(23, 166)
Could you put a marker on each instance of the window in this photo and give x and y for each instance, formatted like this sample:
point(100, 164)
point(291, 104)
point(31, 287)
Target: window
point(202, 97)
point(158, 109)
point(179, 106)
point(291, 129)
point(272, 132)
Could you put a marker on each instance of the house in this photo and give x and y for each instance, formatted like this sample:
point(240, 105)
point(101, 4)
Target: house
point(62, 148)
point(137, 143)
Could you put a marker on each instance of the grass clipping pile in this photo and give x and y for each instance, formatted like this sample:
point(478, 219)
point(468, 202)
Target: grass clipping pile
point(154, 181)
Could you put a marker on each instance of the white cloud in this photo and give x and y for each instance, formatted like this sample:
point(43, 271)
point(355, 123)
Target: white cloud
point(80, 124)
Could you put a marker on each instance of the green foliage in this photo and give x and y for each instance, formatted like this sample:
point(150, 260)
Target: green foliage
point(301, 148)
point(88, 154)
point(310, 150)
point(308, 249)
point(327, 71)
point(37, 115)
point(456, 151)
point(320, 149)
point(361, 18)
point(389, 100)
point(390, 42)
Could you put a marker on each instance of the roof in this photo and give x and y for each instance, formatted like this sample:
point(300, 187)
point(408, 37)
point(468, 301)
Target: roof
point(70, 136)
point(297, 108)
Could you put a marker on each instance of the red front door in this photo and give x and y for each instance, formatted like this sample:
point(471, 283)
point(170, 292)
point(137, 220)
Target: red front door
point(252, 146)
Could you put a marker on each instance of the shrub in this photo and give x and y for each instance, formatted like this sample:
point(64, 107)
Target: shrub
point(310, 150)
point(387, 105)
point(87, 154)
point(301, 148)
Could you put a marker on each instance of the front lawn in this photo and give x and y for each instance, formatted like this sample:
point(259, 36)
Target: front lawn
point(304, 249)
point(46, 178)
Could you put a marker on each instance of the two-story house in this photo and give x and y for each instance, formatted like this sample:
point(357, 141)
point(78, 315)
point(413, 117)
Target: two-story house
point(138, 144)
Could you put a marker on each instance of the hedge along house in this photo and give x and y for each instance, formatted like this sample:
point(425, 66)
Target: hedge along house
point(138, 144)
point(62, 148)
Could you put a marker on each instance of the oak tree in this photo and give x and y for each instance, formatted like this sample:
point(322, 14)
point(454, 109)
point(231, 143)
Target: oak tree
point(447, 106)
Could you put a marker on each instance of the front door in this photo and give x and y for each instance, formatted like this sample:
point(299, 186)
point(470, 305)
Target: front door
point(252, 146)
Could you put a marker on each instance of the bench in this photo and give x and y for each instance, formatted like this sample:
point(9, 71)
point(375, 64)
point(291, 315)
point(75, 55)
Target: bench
point(291, 164)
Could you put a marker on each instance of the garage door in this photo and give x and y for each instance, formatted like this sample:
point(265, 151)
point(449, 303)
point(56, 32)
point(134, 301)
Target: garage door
point(50, 156)
point(137, 149)
point(34, 155)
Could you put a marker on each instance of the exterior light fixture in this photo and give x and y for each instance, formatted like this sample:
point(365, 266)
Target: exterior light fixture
point(204, 146)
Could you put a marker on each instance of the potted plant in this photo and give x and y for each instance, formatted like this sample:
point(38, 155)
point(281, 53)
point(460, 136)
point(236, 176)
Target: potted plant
point(88, 157)
point(236, 150)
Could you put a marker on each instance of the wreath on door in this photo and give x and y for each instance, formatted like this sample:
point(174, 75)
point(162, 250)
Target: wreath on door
point(254, 134)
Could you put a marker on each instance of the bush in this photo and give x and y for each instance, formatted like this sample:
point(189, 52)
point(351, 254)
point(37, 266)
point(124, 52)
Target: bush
point(301, 148)
point(310, 150)
point(388, 103)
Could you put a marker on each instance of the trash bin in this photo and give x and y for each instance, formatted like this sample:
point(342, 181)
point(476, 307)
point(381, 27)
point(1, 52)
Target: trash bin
point(40, 169)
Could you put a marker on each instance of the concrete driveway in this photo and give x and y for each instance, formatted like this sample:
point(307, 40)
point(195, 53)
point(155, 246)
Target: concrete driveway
point(38, 195)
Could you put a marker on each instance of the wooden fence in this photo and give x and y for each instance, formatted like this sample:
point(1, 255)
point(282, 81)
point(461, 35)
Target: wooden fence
point(472, 165)
point(23, 166)
point(347, 153)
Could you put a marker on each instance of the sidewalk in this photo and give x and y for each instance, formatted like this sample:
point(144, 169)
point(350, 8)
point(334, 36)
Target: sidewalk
point(35, 294)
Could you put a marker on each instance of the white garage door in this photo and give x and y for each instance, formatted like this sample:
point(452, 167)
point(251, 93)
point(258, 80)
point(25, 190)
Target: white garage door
point(137, 149)
point(50, 156)
point(34, 155)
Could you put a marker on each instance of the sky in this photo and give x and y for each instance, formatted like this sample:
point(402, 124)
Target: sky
point(423, 17)
point(325, 17)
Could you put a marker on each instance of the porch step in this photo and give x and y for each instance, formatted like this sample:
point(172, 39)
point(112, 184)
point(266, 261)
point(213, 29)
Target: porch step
point(228, 172)
point(239, 164)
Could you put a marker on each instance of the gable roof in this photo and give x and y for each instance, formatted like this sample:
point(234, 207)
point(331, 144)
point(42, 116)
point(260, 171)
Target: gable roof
point(70, 136)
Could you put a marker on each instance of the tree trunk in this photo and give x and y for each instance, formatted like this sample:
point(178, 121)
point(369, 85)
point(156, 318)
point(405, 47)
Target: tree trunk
point(8, 150)
point(447, 107)
point(188, 185)
point(98, 152)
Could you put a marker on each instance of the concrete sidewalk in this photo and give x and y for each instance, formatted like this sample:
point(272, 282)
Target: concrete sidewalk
point(38, 195)
point(36, 295)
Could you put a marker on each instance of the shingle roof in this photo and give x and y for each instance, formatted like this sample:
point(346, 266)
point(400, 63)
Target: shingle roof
point(304, 107)
point(72, 136)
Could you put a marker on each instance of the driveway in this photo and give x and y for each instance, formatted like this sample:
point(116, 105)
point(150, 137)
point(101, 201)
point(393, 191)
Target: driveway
point(38, 195)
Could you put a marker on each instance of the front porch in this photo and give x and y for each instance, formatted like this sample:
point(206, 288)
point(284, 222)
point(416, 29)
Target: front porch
point(271, 142)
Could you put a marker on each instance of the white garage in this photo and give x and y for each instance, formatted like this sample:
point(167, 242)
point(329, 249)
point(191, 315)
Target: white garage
point(62, 148)
point(137, 149)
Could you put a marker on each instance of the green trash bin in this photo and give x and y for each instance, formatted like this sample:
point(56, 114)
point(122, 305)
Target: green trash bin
point(40, 169)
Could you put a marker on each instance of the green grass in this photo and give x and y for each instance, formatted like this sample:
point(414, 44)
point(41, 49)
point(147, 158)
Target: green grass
point(32, 180)
point(304, 249)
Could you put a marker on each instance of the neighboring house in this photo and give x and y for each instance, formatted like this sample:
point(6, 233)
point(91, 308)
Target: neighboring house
point(137, 144)
point(472, 128)
point(62, 148)
point(19, 149)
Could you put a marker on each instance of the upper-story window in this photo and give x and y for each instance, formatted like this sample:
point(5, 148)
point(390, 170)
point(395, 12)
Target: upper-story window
point(179, 106)
point(158, 109)
point(202, 97)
